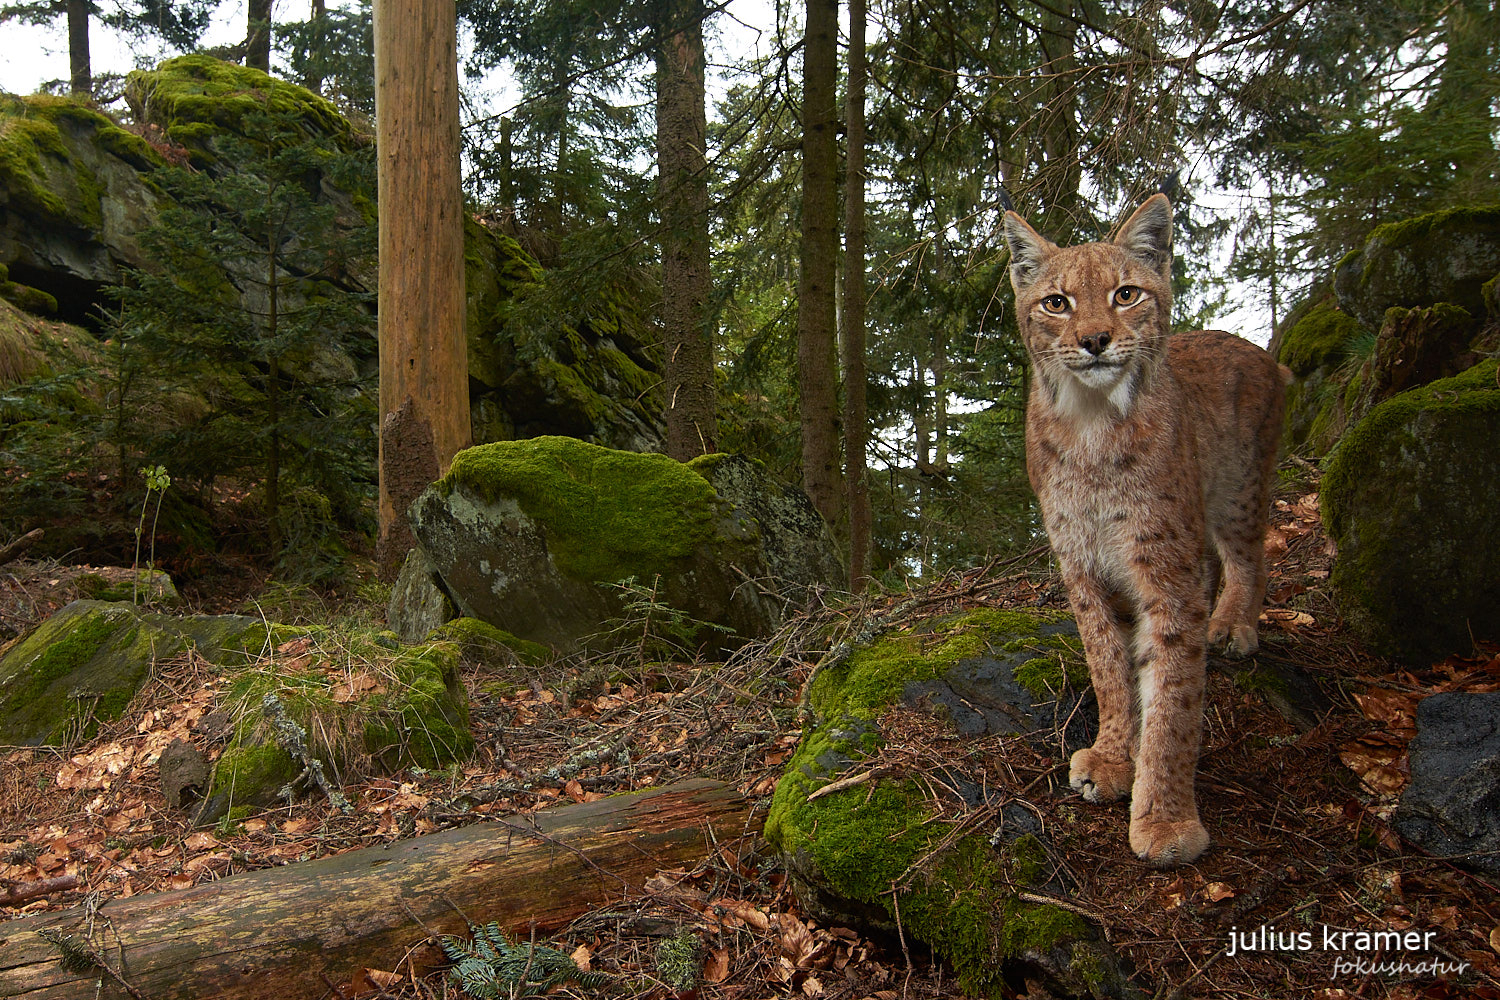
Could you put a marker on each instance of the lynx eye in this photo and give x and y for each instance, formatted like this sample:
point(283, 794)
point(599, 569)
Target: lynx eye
point(1055, 303)
point(1127, 295)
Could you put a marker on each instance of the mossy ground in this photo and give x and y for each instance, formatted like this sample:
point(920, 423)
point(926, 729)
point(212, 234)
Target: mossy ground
point(365, 703)
point(84, 664)
point(609, 514)
point(484, 643)
point(869, 842)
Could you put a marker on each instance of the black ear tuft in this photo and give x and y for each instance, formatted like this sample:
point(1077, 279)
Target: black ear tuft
point(1006, 205)
point(1168, 185)
point(1147, 234)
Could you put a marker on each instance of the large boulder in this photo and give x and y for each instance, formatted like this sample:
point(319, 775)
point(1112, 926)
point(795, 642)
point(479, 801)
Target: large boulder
point(1452, 806)
point(1409, 499)
point(528, 536)
point(882, 852)
point(82, 666)
point(1440, 257)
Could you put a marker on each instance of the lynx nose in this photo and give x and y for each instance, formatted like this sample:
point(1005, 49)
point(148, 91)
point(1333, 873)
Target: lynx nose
point(1095, 343)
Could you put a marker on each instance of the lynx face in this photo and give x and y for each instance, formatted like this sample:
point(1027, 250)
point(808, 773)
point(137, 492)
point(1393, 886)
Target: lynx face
point(1095, 317)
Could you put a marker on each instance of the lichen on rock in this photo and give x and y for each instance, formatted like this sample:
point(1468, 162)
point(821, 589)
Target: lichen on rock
point(1409, 499)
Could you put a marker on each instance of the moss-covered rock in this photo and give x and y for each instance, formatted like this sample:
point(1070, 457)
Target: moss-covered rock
point(484, 643)
point(1409, 498)
point(1317, 343)
point(1413, 347)
point(83, 665)
point(73, 200)
point(357, 704)
point(1440, 257)
point(526, 535)
point(872, 851)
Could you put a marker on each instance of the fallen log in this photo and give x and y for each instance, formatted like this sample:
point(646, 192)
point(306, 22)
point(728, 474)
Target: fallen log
point(290, 932)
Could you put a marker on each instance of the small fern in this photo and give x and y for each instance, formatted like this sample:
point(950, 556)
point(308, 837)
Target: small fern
point(489, 967)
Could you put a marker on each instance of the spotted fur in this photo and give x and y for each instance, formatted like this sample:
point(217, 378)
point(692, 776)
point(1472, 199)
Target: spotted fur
point(1152, 455)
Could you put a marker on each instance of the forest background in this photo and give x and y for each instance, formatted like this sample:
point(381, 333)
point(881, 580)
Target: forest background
point(1295, 131)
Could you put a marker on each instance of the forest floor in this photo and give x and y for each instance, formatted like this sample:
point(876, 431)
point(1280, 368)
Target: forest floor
point(1298, 781)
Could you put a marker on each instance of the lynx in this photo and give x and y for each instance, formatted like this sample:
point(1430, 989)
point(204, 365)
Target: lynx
point(1152, 455)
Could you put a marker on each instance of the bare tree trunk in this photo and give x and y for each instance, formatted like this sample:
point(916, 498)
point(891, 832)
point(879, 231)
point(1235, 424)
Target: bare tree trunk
point(1059, 41)
point(80, 66)
point(292, 932)
point(258, 36)
point(682, 171)
point(816, 322)
point(856, 421)
point(424, 387)
point(316, 60)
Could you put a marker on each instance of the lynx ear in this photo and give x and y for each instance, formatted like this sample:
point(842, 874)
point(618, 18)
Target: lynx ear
point(1028, 251)
point(1147, 234)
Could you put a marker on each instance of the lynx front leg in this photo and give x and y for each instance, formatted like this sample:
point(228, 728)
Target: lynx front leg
point(1104, 772)
point(1164, 824)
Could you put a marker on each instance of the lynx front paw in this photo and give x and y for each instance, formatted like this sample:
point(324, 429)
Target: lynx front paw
point(1237, 640)
point(1100, 778)
point(1166, 844)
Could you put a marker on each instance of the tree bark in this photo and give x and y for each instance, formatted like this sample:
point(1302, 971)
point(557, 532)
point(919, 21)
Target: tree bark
point(856, 422)
point(424, 387)
point(682, 189)
point(317, 60)
point(816, 314)
point(80, 66)
point(288, 932)
point(258, 36)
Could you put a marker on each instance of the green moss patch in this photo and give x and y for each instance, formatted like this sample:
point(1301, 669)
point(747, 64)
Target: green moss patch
point(1320, 339)
point(484, 643)
point(194, 97)
point(609, 514)
point(884, 844)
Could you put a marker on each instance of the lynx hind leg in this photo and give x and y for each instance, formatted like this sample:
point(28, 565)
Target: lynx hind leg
point(1240, 547)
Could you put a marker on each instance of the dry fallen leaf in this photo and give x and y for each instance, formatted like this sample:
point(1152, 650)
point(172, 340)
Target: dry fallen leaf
point(1495, 938)
point(582, 957)
point(200, 841)
point(574, 790)
point(1218, 891)
point(716, 968)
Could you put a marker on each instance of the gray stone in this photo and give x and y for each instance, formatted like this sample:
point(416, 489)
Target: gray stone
point(418, 603)
point(1442, 257)
point(184, 774)
point(1452, 806)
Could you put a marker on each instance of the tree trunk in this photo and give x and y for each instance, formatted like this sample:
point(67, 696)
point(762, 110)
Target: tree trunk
point(258, 36)
point(424, 382)
point(856, 423)
point(81, 74)
point(289, 932)
point(1060, 91)
point(816, 329)
point(317, 58)
point(682, 182)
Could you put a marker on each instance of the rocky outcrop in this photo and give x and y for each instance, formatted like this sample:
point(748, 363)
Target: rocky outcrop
point(1441, 257)
point(1317, 343)
point(1409, 499)
point(1452, 806)
point(77, 191)
point(882, 850)
point(528, 536)
point(74, 199)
